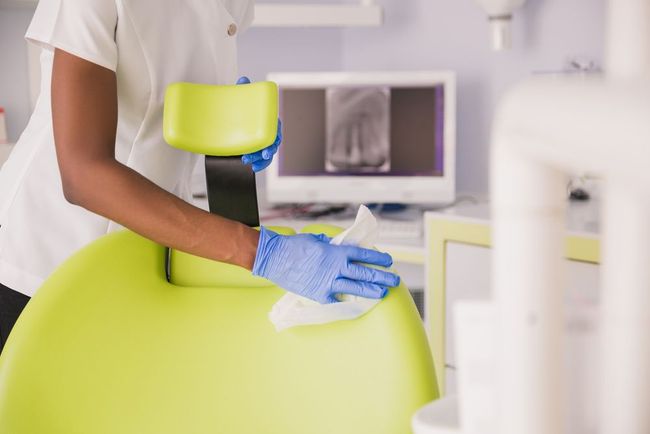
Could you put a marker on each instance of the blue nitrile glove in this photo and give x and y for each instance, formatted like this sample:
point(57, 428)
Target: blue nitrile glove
point(308, 265)
point(260, 160)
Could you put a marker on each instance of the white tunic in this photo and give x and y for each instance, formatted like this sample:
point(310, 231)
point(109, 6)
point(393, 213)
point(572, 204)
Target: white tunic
point(149, 44)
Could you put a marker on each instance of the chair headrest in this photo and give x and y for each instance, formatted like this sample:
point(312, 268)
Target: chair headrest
point(221, 121)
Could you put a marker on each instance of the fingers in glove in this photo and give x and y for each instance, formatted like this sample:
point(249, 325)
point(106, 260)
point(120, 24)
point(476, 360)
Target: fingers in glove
point(252, 158)
point(331, 299)
point(359, 289)
point(369, 256)
point(266, 153)
point(244, 80)
point(279, 135)
point(269, 152)
point(261, 165)
point(371, 275)
point(322, 237)
point(263, 155)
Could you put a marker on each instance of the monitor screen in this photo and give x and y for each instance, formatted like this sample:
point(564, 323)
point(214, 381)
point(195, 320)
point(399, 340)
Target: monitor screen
point(362, 131)
point(360, 137)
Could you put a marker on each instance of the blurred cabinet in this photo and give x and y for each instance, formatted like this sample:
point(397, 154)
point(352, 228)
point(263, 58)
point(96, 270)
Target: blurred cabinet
point(458, 267)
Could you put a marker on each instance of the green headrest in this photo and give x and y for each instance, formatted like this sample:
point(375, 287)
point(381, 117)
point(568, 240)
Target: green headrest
point(221, 121)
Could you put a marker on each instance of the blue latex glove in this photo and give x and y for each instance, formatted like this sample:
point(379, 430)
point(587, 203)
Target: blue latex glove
point(260, 160)
point(308, 265)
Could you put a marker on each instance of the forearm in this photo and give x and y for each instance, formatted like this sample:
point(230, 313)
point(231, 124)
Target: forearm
point(84, 115)
point(118, 193)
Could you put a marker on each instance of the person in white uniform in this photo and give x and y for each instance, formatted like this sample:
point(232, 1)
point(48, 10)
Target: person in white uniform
point(92, 158)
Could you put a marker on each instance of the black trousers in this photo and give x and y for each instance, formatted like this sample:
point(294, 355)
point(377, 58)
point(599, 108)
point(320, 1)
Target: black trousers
point(12, 304)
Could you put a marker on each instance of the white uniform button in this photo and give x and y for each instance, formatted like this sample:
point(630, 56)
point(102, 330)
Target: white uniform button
point(232, 29)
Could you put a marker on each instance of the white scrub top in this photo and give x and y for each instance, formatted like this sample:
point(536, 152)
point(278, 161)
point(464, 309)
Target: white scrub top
point(149, 44)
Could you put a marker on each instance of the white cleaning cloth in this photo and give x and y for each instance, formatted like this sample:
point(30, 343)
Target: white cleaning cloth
point(293, 310)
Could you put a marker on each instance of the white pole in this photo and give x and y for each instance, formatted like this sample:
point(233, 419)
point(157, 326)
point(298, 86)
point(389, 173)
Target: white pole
point(625, 352)
point(625, 342)
point(628, 39)
point(529, 213)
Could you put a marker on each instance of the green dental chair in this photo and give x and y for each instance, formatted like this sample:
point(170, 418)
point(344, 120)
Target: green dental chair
point(129, 338)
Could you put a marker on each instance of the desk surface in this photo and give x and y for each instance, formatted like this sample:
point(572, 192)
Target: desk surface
point(409, 250)
point(470, 224)
point(583, 218)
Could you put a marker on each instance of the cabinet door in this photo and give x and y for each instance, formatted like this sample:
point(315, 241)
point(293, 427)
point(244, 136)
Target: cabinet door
point(468, 277)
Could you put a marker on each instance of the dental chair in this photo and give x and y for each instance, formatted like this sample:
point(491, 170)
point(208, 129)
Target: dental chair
point(128, 337)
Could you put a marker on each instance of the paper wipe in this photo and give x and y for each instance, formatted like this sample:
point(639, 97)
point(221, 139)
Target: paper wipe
point(293, 310)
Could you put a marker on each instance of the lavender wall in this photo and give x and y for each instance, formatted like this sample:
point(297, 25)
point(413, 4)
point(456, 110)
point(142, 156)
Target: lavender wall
point(262, 50)
point(454, 34)
point(418, 34)
point(14, 80)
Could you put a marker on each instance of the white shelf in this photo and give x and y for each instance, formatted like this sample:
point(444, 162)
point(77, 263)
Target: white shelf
point(364, 14)
point(583, 218)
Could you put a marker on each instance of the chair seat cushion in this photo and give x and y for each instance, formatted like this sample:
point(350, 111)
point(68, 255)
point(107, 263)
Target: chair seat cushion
point(109, 346)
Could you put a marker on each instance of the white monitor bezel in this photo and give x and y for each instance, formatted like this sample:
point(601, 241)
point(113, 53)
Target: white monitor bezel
point(349, 189)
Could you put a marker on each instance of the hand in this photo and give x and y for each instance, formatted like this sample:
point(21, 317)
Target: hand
point(308, 265)
point(260, 160)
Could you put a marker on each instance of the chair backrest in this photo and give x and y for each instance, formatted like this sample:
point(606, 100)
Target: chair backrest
point(109, 346)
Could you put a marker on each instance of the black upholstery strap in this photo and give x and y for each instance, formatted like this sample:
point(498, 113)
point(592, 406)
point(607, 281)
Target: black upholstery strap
point(232, 192)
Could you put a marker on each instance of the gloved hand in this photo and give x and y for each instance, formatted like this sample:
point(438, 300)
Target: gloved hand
point(308, 265)
point(260, 160)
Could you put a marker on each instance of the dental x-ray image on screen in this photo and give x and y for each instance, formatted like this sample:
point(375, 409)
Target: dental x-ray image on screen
point(358, 130)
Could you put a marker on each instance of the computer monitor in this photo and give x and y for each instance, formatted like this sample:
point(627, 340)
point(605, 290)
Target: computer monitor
point(365, 137)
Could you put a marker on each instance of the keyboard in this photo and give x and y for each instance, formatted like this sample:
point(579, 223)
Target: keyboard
point(409, 227)
point(400, 229)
